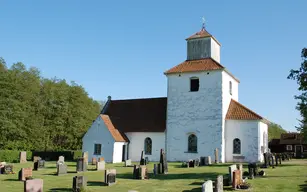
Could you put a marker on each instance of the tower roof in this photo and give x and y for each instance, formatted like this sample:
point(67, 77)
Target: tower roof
point(202, 34)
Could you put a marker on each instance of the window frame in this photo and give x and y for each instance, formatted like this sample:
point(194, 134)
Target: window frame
point(230, 87)
point(190, 146)
point(146, 144)
point(290, 147)
point(96, 151)
point(191, 80)
point(234, 150)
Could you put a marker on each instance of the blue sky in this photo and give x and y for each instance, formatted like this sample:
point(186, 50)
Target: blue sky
point(122, 48)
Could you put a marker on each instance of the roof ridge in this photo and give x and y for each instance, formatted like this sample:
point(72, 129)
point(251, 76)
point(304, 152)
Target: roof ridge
point(144, 98)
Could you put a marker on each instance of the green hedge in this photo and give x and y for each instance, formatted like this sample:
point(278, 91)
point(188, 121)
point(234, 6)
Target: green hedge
point(54, 155)
point(12, 156)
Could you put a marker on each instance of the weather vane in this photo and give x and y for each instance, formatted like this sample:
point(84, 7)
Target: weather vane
point(203, 22)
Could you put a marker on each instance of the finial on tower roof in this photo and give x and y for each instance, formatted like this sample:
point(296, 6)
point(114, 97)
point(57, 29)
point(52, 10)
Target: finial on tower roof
point(203, 23)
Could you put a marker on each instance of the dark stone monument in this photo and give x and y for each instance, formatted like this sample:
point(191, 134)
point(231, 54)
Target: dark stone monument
point(252, 170)
point(110, 177)
point(79, 182)
point(196, 162)
point(155, 169)
point(216, 154)
point(191, 163)
point(81, 165)
point(276, 160)
point(33, 185)
point(202, 161)
point(40, 164)
point(142, 161)
point(136, 172)
point(163, 162)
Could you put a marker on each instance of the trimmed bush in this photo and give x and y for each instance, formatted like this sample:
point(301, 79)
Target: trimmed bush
point(12, 156)
point(54, 155)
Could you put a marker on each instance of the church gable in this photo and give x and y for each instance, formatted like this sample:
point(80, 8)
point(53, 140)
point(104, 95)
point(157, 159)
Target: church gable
point(137, 115)
point(116, 134)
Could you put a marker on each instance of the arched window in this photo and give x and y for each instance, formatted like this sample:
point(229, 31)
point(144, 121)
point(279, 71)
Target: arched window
point(192, 143)
point(230, 87)
point(148, 146)
point(236, 146)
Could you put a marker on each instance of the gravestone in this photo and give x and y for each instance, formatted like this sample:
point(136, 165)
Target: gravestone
point(101, 165)
point(252, 170)
point(266, 160)
point(279, 158)
point(61, 168)
point(94, 161)
point(240, 167)
point(78, 183)
point(273, 161)
point(218, 185)
point(24, 173)
point(155, 169)
point(191, 163)
point(207, 186)
point(8, 169)
point(163, 162)
point(231, 169)
point(33, 185)
point(81, 165)
point(136, 172)
point(236, 179)
point(110, 177)
point(202, 161)
point(100, 159)
point(40, 164)
point(196, 162)
point(128, 163)
point(216, 154)
point(23, 157)
point(36, 158)
point(85, 157)
point(61, 158)
point(142, 160)
point(276, 160)
point(208, 160)
point(143, 172)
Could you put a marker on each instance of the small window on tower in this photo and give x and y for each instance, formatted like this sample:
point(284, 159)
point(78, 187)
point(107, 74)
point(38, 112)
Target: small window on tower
point(230, 87)
point(194, 81)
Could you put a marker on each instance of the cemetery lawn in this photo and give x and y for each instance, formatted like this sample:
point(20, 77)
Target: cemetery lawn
point(290, 176)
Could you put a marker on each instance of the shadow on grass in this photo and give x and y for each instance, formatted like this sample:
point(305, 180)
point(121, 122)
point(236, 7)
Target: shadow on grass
point(194, 189)
point(174, 176)
point(96, 183)
point(60, 189)
point(10, 180)
point(196, 183)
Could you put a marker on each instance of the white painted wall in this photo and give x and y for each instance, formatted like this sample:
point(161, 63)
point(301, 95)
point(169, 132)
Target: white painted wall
point(98, 133)
point(118, 152)
point(215, 50)
point(247, 131)
point(263, 139)
point(136, 145)
point(194, 112)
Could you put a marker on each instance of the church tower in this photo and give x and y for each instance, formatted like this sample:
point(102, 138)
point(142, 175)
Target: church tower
point(195, 115)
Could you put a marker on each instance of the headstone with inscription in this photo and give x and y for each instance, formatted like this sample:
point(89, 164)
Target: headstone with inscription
point(8, 169)
point(163, 162)
point(40, 164)
point(208, 160)
point(142, 160)
point(202, 161)
point(236, 179)
point(61, 158)
point(219, 186)
point(207, 186)
point(136, 172)
point(94, 161)
point(128, 163)
point(196, 162)
point(231, 169)
point(61, 168)
point(78, 183)
point(240, 167)
point(81, 165)
point(101, 165)
point(33, 185)
point(23, 157)
point(216, 154)
point(85, 157)
point(24, 173)
point(110, 177)
point(143, 172)
point(36, 158)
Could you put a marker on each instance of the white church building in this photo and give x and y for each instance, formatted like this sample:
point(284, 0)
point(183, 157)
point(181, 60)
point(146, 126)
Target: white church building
point(200, 113)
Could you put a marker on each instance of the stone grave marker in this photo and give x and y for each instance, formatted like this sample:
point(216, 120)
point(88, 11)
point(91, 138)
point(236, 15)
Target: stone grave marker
point(33, 185)
point(142, 160)
point(216, 154)
point(81, 165)
point(163, 162)
point(231, 169)
point(202, 161)
point(100, 159)
point(128, 163)
point(61, 168)
point(240, 167)
point(276, 160)
point(191, 163)
point(160, 168)
point(136, 172)
point(110, 176)
point(208, 160)
point(101, 165)
point(207, 186)
point(218, 185)
point(155, 169)
point(78, 183)
point(61, 158)
point(143, 172)
point(85, 157)
point(40, 164)
point(23, 157)
point(279, 158)
point(236, 179)
point(24, 173)
point(94, 161)
point(36, 158)
point(8, 169)
point(196, 162)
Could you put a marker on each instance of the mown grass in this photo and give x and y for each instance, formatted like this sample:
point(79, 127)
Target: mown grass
point(290, 176)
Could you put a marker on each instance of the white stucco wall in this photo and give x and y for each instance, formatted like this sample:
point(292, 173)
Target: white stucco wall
point(99, 134)
point(247, 131)
point(118, 152)
point(194, 112)
point(215, 50)
point(136, 145)
point(263, 139)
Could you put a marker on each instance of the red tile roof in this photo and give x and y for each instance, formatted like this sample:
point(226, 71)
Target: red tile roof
point(138, 115)
point(237, 111)
point(116, 134)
